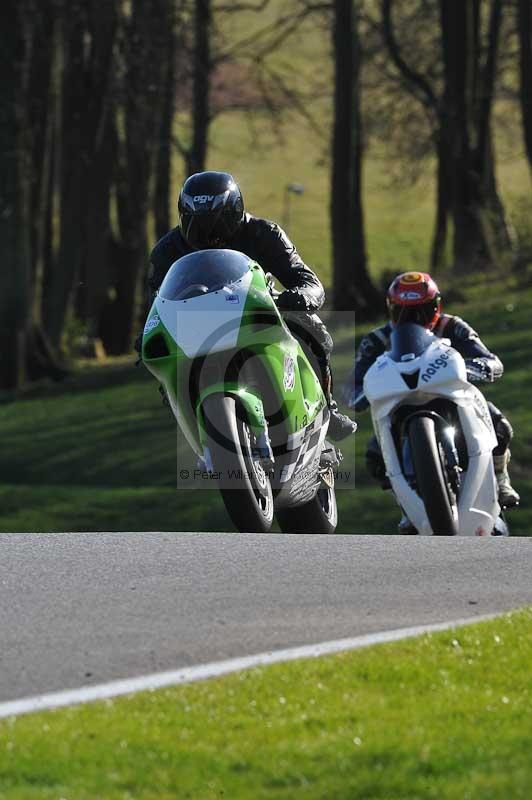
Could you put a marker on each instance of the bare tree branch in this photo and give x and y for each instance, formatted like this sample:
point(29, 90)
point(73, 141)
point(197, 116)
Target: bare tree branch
point(525, 73)
point(268, 38)
point(294, 99)
point(238, 7)
point(487, 78)
point(419, 87)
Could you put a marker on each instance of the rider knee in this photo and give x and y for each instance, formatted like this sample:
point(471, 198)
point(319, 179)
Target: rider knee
point(310, 328)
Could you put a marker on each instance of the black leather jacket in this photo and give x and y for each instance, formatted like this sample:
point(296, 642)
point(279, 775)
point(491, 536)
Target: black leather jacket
point(482, 365)
point(264, 242)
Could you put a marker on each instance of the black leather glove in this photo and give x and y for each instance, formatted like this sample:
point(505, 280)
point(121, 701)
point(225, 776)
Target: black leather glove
point(292, 300)
point(270, 283)
point(478, 370)
point(355, 399)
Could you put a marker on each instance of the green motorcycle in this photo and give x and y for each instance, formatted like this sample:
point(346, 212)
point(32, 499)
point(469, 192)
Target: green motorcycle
point(244, 393)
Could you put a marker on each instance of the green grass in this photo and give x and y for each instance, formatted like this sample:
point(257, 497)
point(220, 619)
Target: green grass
point(77, 508)
point(99, 452)
point(98, 458)
point(443, 716)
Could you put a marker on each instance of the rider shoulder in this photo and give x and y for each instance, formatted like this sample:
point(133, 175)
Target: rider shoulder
point(263, 230)
point(168, 249)
point(455, 328)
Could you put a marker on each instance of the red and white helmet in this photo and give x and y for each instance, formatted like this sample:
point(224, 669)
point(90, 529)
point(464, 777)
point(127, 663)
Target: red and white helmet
point(414, 297)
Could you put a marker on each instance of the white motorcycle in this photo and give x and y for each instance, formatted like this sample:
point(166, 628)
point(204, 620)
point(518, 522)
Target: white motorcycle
point(436, 436)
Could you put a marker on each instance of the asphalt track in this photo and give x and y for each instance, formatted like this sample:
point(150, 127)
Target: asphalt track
point(83, 609)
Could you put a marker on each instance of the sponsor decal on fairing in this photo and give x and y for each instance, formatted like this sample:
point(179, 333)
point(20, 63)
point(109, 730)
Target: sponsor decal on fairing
point(152, 323)
point(289, 377)
point(434, 366)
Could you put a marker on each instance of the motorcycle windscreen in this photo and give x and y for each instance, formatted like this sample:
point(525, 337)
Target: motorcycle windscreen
point(408, 341)
point(202, 272)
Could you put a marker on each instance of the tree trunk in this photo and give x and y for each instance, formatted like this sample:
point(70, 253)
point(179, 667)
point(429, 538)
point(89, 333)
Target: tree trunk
point(145, 72)
point(342, 145)
point(439, 238)
point(15, 245)
point(25, 353)
point(98, 232)
point(502, 231)
point(99, 154)
point(525, 72)
point(51, 202)
point(466, 184)
point(197, 155)
point(467, 106)
point(352, 287)
point(419, 86)
point(495, 223)
point(163, 167)
point(368, 298)
point(81, 269)
point(40, 113)
point(67, 268)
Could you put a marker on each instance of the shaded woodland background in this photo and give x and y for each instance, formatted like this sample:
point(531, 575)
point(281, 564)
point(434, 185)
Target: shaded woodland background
point(106, 105)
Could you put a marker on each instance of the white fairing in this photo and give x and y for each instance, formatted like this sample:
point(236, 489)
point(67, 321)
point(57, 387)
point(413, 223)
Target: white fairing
point(442, 374)
point(209, 323)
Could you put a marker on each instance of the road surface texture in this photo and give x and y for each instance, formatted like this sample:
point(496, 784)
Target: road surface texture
point(82, 609)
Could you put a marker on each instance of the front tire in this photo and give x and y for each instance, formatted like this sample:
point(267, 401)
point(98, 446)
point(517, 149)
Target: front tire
point(432, 485)
point(319, 515)
point(243, 483)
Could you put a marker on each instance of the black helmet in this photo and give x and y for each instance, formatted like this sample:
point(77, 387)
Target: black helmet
point(211, 209)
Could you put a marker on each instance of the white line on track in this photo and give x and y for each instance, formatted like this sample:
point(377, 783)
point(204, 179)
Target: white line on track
point(158, 680)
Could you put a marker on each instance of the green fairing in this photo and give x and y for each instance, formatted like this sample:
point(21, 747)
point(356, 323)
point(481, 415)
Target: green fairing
point(263, 336)
point(250, 402)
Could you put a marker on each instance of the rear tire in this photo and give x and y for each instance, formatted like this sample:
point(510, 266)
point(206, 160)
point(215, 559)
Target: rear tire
point(320, 515)
point(248, 499)
point(501, 526)
point(431, 481)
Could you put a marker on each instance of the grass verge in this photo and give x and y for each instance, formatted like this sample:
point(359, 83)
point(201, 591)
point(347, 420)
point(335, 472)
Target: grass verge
point(442, 716)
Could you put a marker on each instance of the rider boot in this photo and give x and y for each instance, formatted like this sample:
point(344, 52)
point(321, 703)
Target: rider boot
point(405, 527)
point(375, 463)
point(508, 497)
point(340, 425)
